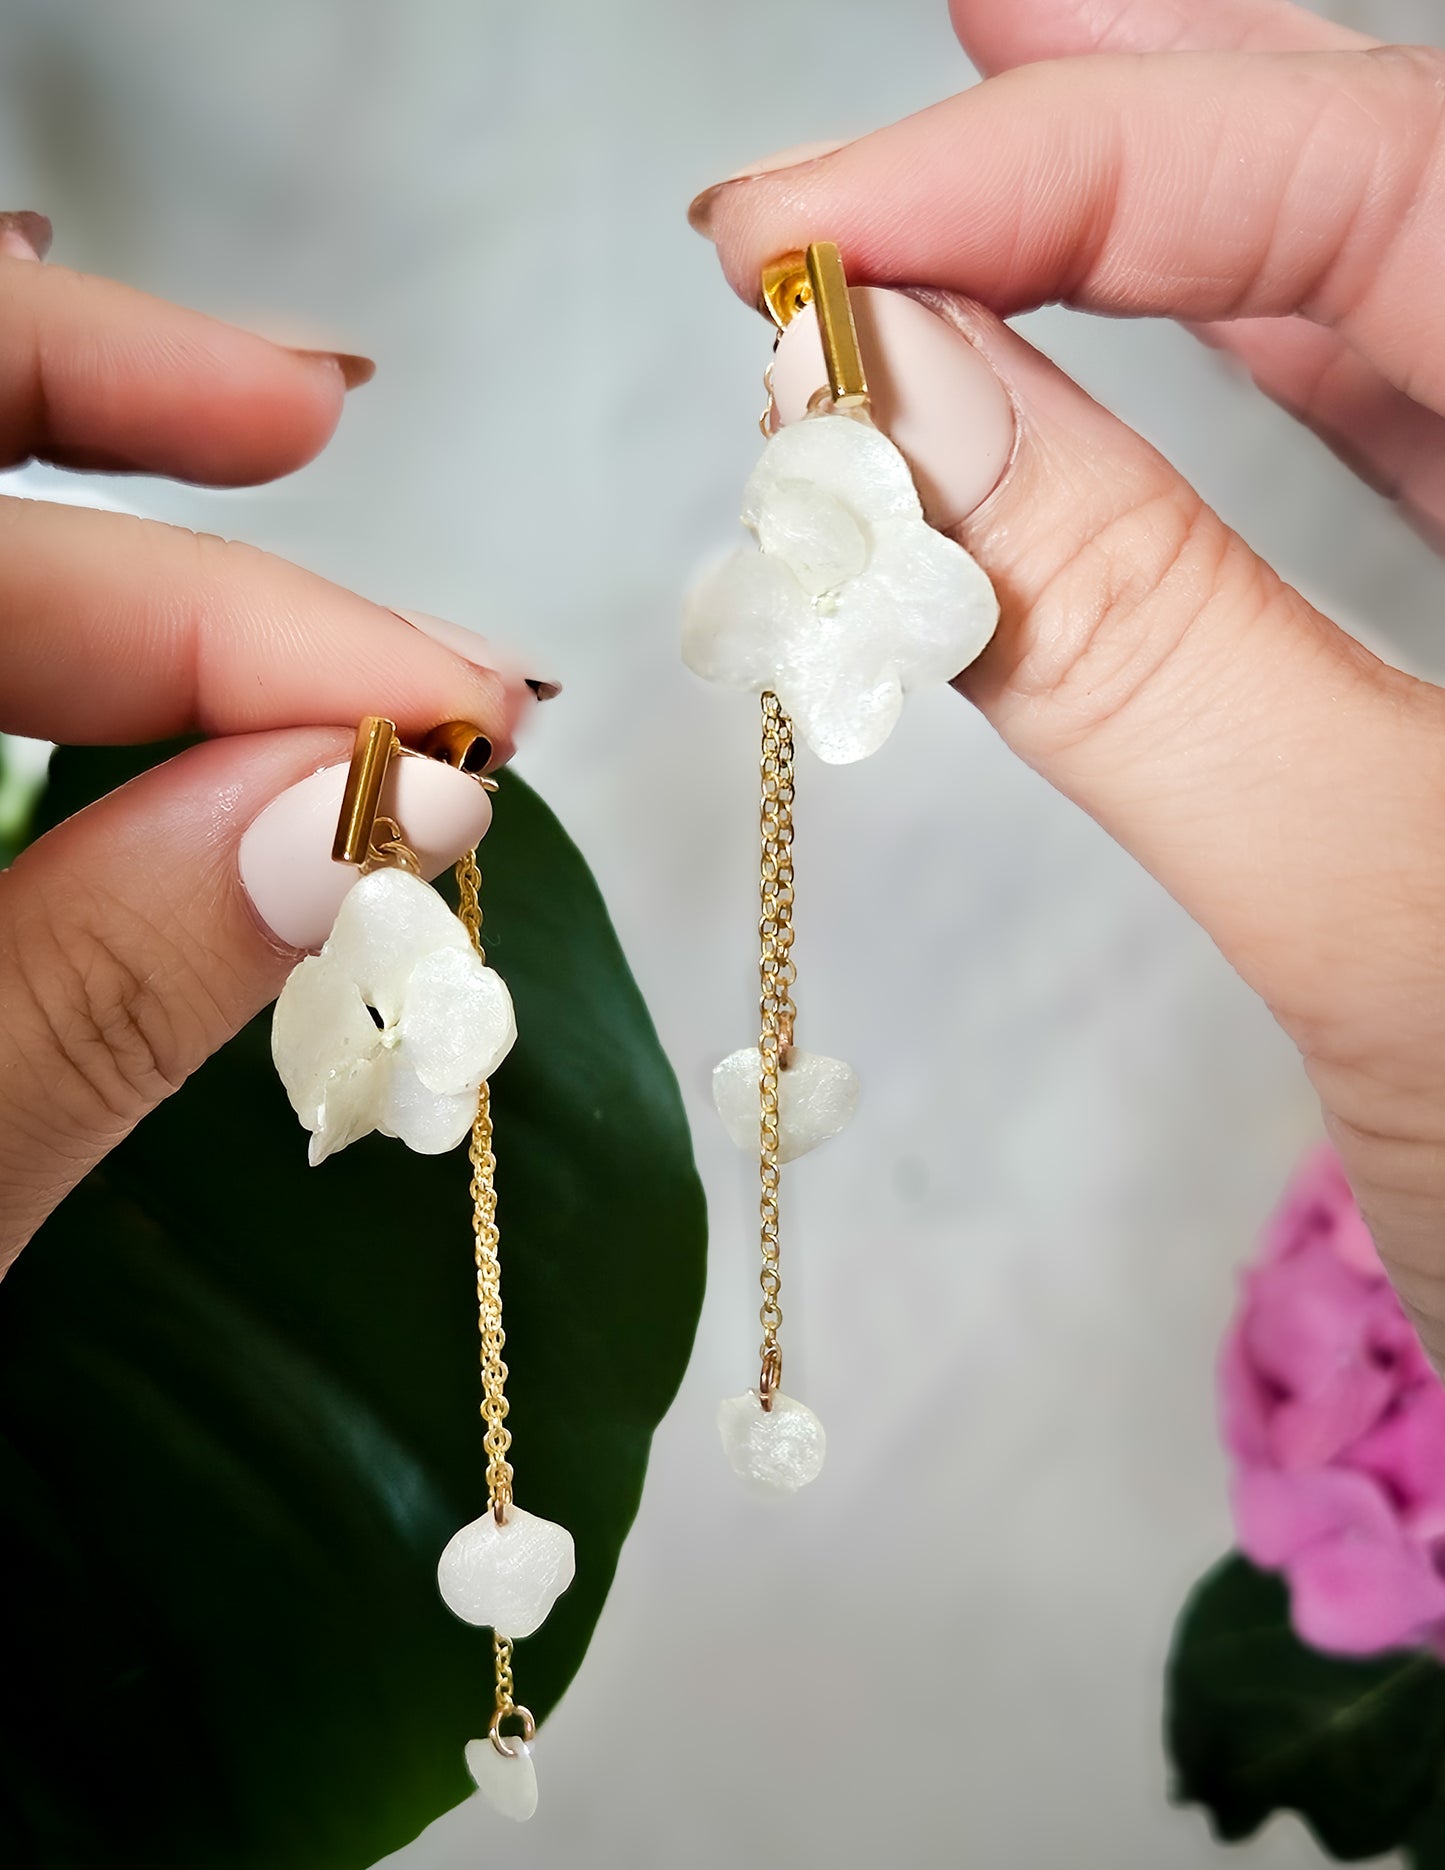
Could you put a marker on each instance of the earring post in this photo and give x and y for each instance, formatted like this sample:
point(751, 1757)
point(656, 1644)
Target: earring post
point(376, 742)
point(829, 283)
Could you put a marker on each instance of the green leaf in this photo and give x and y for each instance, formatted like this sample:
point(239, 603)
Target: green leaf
point(1426, 1847)
point(238, 1419)
point(1258, 1722)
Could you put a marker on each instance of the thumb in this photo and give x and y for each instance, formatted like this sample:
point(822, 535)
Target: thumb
point(140, 935)
point(1279, 780)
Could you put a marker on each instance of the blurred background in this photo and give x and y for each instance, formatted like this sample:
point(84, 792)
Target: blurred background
point(1006, 1285)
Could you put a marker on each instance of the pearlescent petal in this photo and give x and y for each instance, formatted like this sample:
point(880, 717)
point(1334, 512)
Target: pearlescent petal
point(772, 1451)
point(508, 1784)
point(735, 616)
point(353, 1107)
point(507, 1576)
point(927, 599)
point(814, 534)
point(457, 1023)
point(387, 922)
point(817, 1097)
point(847, 456)
point(430, 1122)
point(320, 1026)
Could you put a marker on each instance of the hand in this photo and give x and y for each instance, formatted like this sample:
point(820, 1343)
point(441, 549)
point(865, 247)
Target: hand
point(1278, 183)
point(129, 948)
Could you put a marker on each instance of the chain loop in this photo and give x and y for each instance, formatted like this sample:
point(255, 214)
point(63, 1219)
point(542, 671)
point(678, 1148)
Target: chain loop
point(777, 1013)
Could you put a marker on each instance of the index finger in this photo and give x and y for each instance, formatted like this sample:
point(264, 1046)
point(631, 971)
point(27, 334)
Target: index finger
point(1190, 185)
point(96, 375)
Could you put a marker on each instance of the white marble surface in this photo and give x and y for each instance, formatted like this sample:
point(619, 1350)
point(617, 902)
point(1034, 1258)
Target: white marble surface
point(1004, 1301)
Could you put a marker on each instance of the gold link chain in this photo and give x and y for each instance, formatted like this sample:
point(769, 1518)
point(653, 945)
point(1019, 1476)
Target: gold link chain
point(776, 975)
point(498, 1437)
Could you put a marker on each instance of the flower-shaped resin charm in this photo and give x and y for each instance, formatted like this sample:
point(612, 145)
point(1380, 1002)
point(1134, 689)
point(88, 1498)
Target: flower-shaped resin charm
point(394, 1025)
point(851, 599)
point(508, 1576)
point(772, 1451)
point(817, 1097)
point(507, 1781)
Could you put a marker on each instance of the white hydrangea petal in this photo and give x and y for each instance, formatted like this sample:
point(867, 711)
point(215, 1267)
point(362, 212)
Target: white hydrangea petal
point(354, 1105)
point(387, 923)
point(844, 714)
point(457, 1022)
point(816, 536)
point(508, 1782)
point(843, 454)
point(817, 1097)
point(507, 1576)
point(320, 1026)
point(926, 598)
point(772, 1451)
point(735, 616)
point(430, 1122)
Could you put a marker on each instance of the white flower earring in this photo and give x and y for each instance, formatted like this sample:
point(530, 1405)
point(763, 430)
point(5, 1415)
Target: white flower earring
point(847, 600)
point(397, 1026)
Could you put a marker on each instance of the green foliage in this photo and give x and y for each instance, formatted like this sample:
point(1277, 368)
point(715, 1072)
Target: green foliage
point(238, 1419)
point(1258, 1722)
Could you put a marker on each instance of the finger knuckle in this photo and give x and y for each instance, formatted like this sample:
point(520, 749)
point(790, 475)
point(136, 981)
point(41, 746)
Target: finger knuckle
point(1110, 621)
point(101, 1026)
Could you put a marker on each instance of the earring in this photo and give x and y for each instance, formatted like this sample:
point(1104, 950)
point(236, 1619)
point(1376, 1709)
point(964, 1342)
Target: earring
point(847, 600)
point(396, 1026)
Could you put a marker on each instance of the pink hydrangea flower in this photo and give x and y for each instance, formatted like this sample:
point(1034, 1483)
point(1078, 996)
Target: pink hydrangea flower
point(1335, 1424)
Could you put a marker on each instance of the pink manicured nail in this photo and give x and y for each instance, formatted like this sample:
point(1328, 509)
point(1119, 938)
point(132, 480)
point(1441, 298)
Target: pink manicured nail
point(931, 391)
point(285, 854)
point(700, 211)
point(355, 370)
point(484, 652)
point(25, 235)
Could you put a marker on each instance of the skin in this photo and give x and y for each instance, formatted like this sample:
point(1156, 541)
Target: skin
point(128, 948)
point(1278, 185)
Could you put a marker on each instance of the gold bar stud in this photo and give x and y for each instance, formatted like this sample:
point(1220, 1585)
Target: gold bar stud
point(841, 354)
point(376, 742)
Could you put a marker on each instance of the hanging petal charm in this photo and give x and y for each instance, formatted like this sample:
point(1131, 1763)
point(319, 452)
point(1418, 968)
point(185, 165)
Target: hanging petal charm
point(817, 1098)
point(851, 598)
point(505, 1776)
point(508, 1573)
point(773, 1450)
point(394, 1025)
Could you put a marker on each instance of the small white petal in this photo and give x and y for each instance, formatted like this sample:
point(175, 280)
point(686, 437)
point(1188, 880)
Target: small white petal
point(354, 1106)
point(773, 1451)
point(326, 1048)
point(814, 534)
point(735, 616)
point(507, 1783)
point(846, 711)
point(507, 1576)
point(847, 456)
point(926, 597)
point(817, 1097)
point(430, 1122)
point(457, 1022)
point(387, 923)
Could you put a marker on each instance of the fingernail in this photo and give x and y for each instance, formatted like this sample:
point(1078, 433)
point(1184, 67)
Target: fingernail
point(931, 391)
point(25, 235)
point(285, 854)
point(354, 370)
point(485, 652)
point(699, 212)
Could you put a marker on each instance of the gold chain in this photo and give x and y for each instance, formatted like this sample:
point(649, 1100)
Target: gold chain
point(498, 1438)
point(776, 974)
